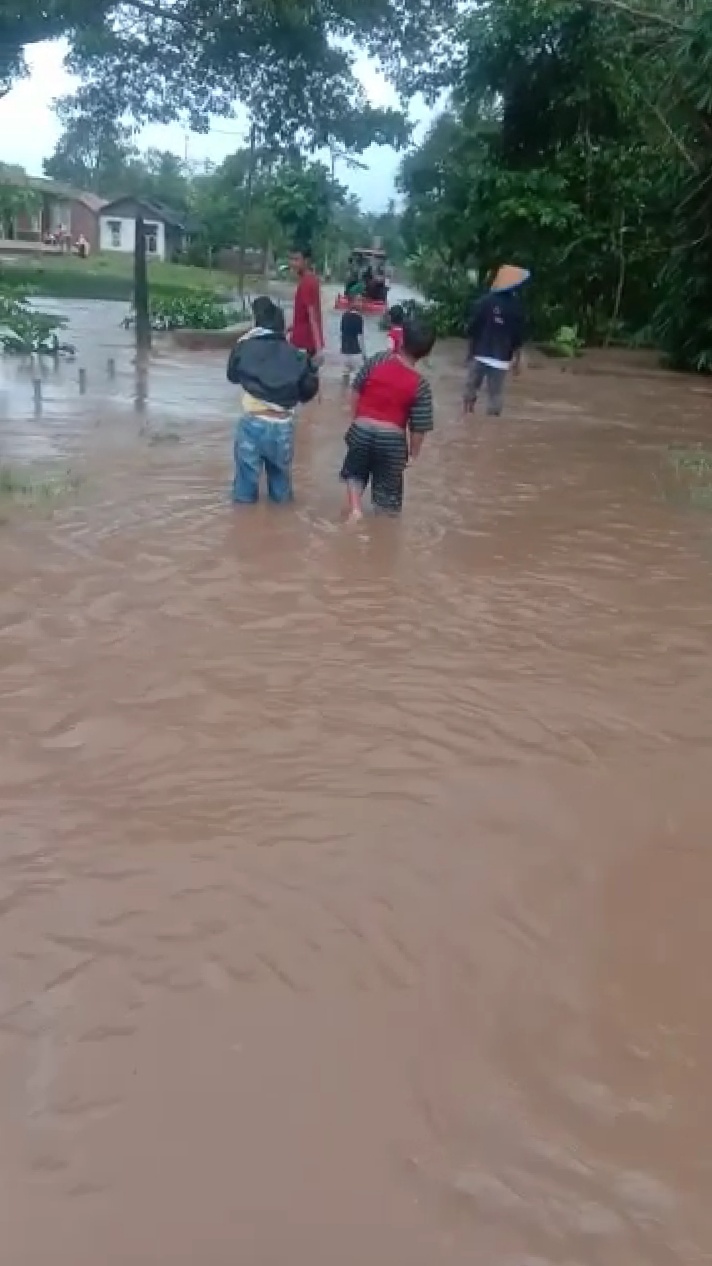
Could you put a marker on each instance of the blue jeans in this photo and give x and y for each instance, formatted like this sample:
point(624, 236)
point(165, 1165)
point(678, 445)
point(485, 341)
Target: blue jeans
point(261, 444)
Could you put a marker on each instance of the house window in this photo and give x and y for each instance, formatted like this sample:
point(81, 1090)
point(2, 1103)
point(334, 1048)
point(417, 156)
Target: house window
point(151, 234)
point(114, 227)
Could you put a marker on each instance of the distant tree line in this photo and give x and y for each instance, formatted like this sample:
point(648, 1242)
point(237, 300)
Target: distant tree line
point(266, 198)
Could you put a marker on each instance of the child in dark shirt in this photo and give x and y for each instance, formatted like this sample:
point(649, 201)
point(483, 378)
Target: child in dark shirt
point(352, 347)
point(392, 413)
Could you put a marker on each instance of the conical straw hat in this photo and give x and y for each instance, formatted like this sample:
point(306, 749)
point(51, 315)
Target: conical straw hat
point(509, 276)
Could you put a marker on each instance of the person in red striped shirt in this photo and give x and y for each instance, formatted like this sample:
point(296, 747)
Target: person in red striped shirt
point(392, 412)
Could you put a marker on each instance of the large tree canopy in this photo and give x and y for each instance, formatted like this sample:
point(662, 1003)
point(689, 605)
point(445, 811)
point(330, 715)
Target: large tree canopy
point(24, 22)
point(289, 62)
point(579, 144)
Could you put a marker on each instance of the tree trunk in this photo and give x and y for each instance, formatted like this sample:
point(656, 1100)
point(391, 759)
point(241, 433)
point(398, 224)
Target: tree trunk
point(141, 297)
point(618, 300)
point(246, 215)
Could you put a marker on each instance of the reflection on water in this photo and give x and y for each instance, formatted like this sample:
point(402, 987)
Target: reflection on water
point(142, 382)
point(106, 381)
point(352, 882)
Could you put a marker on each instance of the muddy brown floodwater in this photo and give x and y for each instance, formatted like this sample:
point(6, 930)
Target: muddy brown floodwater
point(355, 885)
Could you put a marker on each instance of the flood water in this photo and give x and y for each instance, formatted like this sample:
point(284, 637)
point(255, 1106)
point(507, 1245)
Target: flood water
point(354, 884)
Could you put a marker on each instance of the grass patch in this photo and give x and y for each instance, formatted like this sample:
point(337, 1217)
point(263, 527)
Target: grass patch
point(111, 277)
point(694, 461)
point(692, 470)
point(30, 488)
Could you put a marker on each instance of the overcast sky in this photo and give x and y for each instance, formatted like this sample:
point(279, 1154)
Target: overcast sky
point(29, 128)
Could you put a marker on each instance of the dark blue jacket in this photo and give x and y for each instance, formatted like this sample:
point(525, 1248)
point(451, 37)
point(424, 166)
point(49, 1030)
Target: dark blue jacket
point(269, 368)
point(496, 326)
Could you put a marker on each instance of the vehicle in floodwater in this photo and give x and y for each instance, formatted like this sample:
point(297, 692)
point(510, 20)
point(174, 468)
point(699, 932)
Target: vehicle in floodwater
point(366, 283)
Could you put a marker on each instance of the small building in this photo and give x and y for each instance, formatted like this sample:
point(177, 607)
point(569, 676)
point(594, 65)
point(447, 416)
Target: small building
point(54, 210)
point(167, 231)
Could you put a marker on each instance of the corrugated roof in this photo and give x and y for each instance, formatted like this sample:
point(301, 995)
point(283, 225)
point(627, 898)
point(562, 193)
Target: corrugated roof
point(92, 201)
point(43, 184)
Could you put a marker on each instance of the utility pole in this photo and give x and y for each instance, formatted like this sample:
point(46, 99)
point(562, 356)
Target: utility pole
point(332, 154)
point(141, 295)
point(246, 213)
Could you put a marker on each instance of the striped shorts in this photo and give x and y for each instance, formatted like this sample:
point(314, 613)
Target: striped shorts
point(377, 455)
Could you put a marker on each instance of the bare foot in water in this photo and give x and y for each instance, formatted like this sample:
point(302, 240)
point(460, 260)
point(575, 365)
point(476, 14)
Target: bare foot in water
point(354, 504)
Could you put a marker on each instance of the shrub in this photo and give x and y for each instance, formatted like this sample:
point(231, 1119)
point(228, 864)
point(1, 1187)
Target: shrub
point(190, 310)
point(24, 330)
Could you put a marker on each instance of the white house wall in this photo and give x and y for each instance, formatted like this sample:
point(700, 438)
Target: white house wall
point(128, 236)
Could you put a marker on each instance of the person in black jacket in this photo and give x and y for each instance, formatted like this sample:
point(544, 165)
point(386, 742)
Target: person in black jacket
point(495, 332)
point(275, 379)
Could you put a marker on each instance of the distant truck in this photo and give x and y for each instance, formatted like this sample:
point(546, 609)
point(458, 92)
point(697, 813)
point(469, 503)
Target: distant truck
point(366, 285)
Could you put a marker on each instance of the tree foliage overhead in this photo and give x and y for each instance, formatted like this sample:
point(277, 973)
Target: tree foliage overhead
point(580, 145)
point(289, 62)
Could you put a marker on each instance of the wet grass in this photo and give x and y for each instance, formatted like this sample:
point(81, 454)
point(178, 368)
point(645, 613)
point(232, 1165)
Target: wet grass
point(110, 276)
point(29, 488)
point(692, 470)
point(697, 461)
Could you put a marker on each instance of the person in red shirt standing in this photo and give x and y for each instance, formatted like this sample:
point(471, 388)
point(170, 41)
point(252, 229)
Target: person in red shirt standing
point(307, 331)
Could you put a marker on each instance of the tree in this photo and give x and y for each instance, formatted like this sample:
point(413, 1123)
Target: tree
point(675, 43)
point(16, 197)
point(438, 180)
point(220, 203)
point(443, 219)
point(290, 62)
point(387, 226)
point(24, 22)
point(302, 197)
point(89, 157)
point(543, 162)
point(579, 144)
point(100, 156)
point(163, 177)
point(349, 228)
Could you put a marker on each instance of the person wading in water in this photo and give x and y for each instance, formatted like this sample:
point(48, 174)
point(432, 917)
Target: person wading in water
point(496, 333)
point(307, 332)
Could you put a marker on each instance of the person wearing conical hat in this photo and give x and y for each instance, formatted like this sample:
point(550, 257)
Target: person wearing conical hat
point(495, 332)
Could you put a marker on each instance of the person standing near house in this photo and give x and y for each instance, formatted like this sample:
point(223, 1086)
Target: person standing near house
point(496, 333)
point(307, 331)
